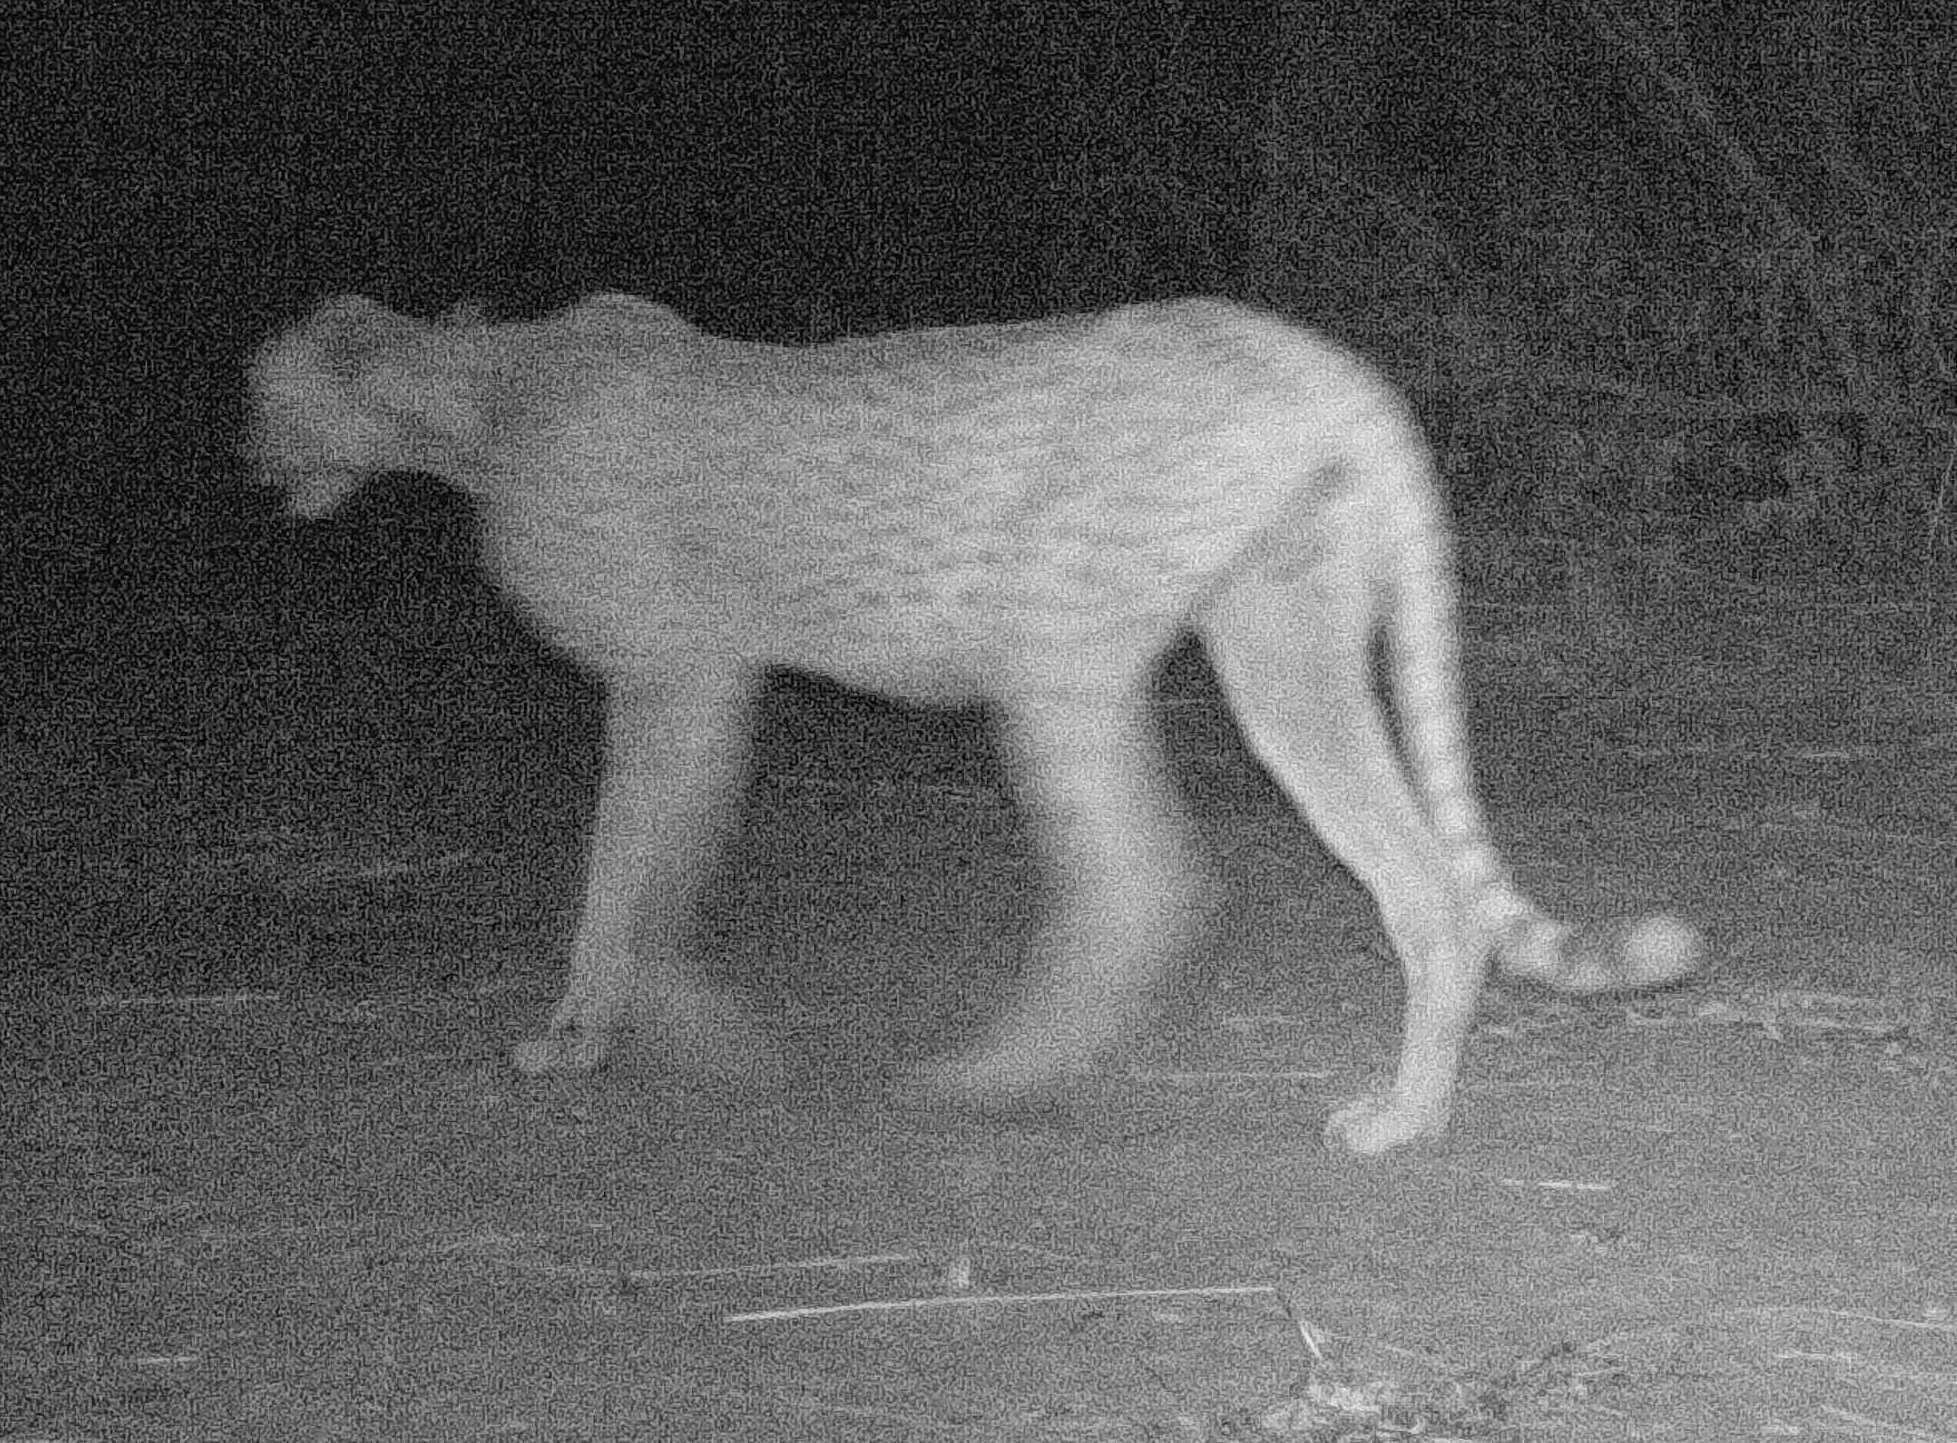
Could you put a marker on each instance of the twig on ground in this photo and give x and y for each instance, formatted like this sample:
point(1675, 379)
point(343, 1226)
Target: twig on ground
point(897, 1305)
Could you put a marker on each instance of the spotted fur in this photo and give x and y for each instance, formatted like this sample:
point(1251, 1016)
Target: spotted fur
point(1027, 515)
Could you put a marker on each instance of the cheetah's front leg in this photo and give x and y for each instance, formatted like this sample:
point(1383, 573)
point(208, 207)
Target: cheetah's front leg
point(673, 754)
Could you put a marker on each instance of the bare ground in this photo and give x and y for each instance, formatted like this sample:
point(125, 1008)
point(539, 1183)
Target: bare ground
point(267, 1176)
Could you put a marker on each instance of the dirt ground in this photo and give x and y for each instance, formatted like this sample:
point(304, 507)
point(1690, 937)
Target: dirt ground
point(284, 897)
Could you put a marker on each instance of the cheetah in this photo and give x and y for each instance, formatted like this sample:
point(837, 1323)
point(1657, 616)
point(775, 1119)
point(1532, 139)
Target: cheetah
point(1027, 516)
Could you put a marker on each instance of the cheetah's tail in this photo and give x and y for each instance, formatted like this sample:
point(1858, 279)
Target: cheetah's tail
point(1423, 629)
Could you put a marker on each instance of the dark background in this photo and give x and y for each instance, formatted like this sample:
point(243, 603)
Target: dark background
point(1671, 284)
point(1527, 208)
point(1673, 281)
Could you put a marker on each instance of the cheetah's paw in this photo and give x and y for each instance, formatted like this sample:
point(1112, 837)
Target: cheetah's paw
point(1379, 1121)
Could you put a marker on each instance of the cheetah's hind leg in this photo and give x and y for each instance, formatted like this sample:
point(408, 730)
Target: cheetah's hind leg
point(1086, 754)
